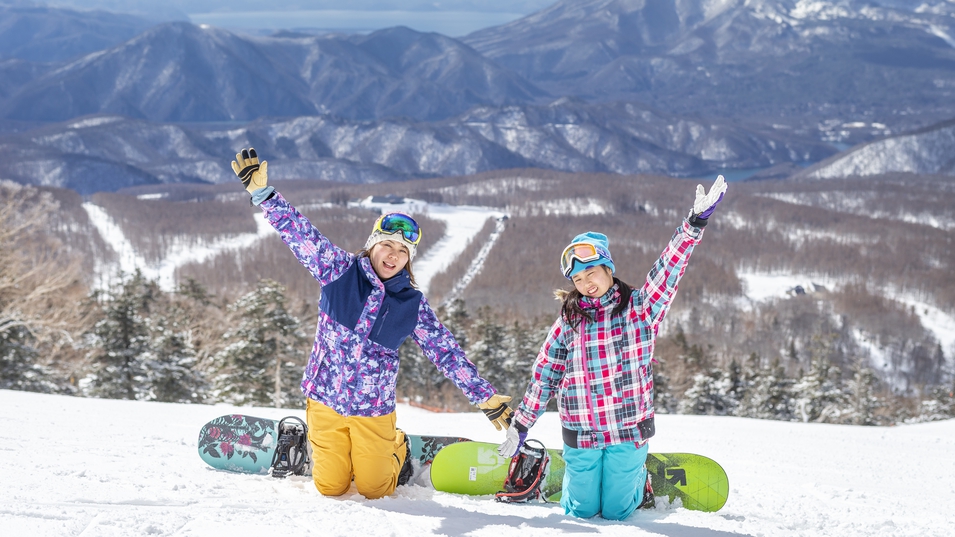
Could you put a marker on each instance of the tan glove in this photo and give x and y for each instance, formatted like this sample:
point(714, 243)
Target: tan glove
point(496, 410)
point(253, 175)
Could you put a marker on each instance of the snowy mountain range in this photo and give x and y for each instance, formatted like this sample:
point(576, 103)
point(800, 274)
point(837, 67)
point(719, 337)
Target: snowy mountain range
point(676, 87)
point(108, 152)
point(738, 57)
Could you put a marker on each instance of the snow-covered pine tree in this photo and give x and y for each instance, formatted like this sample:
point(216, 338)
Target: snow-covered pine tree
point(738, 384)
point(120, 339)
point(769, 393)
point(263, 364)
point(818, 395)
point(19, 367)
point(941, 404)
point(664, 402)
point(171, 374)
point(863, 402)
point(523, 343)
point(489, 349)
point(709, 395)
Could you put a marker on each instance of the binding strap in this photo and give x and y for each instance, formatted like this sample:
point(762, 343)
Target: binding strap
point(291, 452)
point(525, 474)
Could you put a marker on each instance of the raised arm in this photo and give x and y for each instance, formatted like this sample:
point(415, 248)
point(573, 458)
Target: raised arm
point(658, 291)
point(313, 250)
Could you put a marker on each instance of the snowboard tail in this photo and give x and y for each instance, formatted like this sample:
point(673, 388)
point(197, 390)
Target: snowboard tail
point(246, 444)
point(475, 468)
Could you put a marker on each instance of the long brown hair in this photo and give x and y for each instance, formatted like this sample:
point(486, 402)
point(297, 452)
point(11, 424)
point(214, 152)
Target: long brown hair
point(364, 253)
point(573, 314)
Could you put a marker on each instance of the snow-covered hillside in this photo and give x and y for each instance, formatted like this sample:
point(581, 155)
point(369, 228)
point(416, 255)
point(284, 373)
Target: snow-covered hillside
point(93, 467)
point(927, 151)
point(462, 224)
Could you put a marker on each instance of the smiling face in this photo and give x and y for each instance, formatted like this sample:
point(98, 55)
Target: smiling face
point(593, 281)
point(388, 258)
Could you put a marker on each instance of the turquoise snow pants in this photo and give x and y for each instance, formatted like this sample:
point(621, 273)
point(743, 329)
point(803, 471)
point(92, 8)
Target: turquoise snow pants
point(607, 481)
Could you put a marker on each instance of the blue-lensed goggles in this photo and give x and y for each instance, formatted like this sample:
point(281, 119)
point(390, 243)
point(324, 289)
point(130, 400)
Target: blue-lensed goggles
point(392, 223)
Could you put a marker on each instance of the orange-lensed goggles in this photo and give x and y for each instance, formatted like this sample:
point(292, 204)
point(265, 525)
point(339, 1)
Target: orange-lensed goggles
point(392, 223)
point(583, 252)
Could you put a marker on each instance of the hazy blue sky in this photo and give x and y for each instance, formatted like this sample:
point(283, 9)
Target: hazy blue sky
point(449, 17)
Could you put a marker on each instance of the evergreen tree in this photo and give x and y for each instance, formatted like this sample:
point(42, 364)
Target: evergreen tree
point(415, 373)
point(769, 395)
point(664, 402)
point(863, 401)
point(120, 340)
point(709, 395)
point(456, 319)
point(19, 367)
point(819, 396)
point(737, 381)
point(489, 349)
point(524, 345)
point(941, 405)
point(170, 363)
point(258, 368)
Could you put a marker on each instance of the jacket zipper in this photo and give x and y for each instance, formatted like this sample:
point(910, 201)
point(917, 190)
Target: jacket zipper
point(381, 323)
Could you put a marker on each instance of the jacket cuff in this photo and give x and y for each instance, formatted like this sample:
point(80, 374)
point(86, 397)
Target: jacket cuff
point(262, 194)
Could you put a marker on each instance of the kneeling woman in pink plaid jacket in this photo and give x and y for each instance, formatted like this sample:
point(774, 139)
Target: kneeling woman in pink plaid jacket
point(597, 361)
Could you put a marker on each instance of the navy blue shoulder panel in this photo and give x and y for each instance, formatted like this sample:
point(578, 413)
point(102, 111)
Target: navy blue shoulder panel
point(344, 299)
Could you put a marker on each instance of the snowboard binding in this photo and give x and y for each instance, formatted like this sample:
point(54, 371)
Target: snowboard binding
point(292, 453)
point(525, 474)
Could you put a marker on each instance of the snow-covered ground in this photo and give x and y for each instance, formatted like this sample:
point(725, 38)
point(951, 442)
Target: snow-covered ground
point(91, 467)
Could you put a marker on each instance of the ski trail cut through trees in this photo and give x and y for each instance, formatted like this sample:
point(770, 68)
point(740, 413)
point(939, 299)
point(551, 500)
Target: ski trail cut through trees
point(164, 270)
point(475, 268)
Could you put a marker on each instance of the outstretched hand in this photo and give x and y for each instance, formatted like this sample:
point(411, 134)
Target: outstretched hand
point(253, 174)
point(496, 410)
point(705, 202)
point(513, 442)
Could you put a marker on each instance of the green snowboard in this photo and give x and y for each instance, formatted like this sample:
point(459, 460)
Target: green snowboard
point(475, 468)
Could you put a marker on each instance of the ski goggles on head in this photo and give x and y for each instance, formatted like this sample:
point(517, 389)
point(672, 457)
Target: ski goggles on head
point(582, 252)
point(392, 223)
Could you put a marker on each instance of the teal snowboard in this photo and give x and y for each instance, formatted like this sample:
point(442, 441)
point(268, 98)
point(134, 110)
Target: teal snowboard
point(245, 444)
point(475, 468)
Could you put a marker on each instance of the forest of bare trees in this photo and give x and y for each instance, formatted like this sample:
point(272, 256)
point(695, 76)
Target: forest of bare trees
point(847, 351)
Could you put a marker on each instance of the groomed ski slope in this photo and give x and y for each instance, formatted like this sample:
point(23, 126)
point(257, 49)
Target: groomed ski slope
point(90, 467)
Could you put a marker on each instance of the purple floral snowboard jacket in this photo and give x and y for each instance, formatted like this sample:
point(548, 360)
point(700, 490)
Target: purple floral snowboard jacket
point(348, 371)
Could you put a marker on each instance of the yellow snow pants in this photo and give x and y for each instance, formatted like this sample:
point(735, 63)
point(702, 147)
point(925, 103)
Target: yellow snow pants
point(369, 450)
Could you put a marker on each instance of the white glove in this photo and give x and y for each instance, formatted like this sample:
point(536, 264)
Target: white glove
point(705, 203)
point(513, 442)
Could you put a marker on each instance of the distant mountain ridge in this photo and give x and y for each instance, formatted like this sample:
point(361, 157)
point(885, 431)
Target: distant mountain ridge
point(181, 72)
point(676, 87)
point(111, 152)
point(782, 58)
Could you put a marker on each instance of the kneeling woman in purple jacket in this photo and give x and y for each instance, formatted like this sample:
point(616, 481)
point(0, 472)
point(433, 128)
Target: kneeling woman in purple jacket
point(369, 306)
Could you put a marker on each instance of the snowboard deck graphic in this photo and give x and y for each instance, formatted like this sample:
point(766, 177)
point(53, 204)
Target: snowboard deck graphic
point(475, 468)
point(245, 444)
